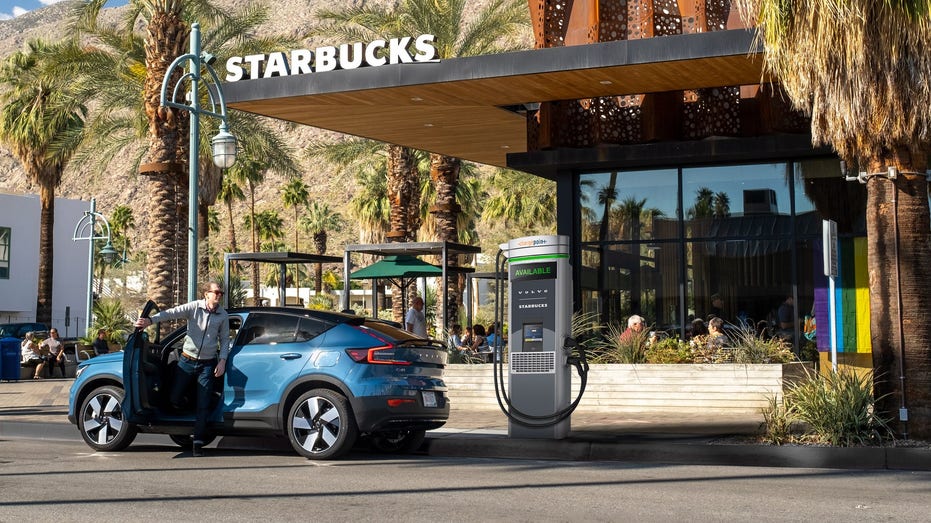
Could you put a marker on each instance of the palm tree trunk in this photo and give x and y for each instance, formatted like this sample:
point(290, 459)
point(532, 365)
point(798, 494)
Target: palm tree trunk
point(46, 254)
point(166, 38)
point(444, 172)
point(320, 245)
point(255, 246)
point(403, 189)
point(203, 239)
point(899, 274)
point(229, 210)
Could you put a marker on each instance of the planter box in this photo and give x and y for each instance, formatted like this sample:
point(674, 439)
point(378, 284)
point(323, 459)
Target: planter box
point(721, 388)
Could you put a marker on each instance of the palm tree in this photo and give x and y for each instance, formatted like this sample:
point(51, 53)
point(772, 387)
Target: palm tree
point(369, 207)
point(869, 101)
point(120, 66)
point(607, 195)
point(231, 192)
point(704, 204)
point(42, 122)
point(250, 172)
point(521, 199)
point(318, 220)
point(267, 228)
point(121, 223)
point(367, 160)
point(295, 195)
point(722, 205)
point(496, 28)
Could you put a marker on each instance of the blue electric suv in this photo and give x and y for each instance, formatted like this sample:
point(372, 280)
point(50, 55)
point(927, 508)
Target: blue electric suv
point(321, 379)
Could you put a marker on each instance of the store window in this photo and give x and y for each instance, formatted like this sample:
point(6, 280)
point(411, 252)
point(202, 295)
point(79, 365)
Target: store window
point(746, 239)
point(630, 205)
point(737, 201)
point(5, 253)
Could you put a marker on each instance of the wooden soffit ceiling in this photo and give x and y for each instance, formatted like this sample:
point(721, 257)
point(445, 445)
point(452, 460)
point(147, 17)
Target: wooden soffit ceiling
point(470, 108)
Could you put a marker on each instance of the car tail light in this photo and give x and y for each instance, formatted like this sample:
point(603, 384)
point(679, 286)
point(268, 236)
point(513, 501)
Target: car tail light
point(397, 402)
point(384, 355)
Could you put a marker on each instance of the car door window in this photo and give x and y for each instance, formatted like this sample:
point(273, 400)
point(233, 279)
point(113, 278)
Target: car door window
point(265, 329)
point(310, 328)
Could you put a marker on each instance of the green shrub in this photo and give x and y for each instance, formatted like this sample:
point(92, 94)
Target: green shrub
point(669, 350)
point(838, 408)
point(110, 315)
point(321, 302)
point(779, 423)
point(616, 348)
point(750, 348)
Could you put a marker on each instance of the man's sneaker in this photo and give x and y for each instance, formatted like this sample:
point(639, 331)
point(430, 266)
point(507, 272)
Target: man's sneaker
point(198, 449)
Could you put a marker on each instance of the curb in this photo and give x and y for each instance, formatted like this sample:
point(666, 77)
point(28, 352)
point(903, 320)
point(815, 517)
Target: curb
point(680, 453)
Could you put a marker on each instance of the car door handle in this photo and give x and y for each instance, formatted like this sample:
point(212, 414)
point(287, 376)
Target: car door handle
point(290, 356)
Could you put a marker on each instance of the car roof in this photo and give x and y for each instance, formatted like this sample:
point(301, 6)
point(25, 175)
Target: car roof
point(329, 316)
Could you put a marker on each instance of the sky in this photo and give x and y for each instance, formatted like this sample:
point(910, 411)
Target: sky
point(13, 8)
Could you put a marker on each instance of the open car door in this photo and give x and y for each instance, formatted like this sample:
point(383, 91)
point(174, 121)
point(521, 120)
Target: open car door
point(141, 373)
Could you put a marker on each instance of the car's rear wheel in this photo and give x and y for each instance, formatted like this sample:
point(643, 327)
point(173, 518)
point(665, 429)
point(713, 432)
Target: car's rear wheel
point(397, 441)
point(186, 441)
point(321, 425)
point(101, 421)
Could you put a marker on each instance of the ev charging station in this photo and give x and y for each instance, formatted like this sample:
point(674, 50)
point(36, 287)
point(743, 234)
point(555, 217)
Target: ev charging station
point(540, 344)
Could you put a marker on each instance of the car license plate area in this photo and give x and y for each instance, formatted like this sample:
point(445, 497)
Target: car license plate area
point(429, 399)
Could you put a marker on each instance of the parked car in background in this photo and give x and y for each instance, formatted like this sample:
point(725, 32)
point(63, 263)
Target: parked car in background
point(320, 379)
point(19, 330)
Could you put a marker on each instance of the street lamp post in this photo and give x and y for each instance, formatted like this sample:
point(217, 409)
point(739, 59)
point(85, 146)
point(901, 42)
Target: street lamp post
point(223, 144)
point(86, 229)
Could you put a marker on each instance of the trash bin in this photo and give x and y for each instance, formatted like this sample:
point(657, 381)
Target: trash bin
point(9, 358)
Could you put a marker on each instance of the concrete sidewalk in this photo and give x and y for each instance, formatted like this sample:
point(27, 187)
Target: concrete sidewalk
point(676, 437)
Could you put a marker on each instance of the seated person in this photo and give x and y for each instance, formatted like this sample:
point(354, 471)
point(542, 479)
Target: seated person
point(479, 342)
point(634, 329)
point(493, 338)
point(699, 328)
point(716, 336)
point(56, 353)
point(455, 336)
point(100, 343)
point(31, 355)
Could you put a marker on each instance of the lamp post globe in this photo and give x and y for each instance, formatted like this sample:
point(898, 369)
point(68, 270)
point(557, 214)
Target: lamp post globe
point(224, 149)
point(108, 253)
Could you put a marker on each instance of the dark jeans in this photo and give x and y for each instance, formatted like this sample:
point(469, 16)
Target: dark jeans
point(51, 366)
point(202, 370)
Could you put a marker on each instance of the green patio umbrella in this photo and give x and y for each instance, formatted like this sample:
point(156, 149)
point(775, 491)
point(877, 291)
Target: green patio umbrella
point(400, 270)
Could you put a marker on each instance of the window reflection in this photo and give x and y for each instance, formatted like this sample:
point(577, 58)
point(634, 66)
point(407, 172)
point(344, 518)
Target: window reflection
point(639, 205)
point(4, 252)
point(636, 278)
point(736, 200)
point(822, 194)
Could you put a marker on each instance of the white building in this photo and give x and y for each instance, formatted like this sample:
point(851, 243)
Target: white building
point(19, 263)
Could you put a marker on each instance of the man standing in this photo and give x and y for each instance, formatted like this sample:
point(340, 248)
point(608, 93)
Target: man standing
point(416, 321)
point(786, 320)
point(203, 357)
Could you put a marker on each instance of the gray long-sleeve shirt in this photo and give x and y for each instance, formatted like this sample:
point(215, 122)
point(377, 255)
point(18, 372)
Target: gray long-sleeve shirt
point(208, 333)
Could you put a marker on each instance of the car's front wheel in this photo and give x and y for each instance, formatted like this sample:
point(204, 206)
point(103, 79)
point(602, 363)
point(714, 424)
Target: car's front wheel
point(397, 441)
point(321, 425)
point(101, 421)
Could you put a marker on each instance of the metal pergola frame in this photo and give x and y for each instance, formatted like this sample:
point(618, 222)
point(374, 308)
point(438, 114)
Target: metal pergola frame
point(443, 249)
point(282, 259)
